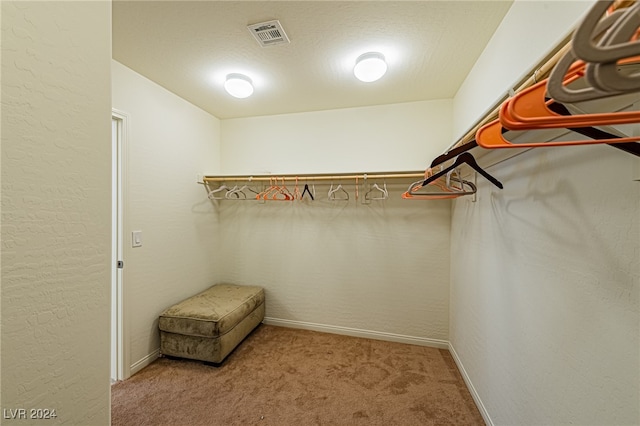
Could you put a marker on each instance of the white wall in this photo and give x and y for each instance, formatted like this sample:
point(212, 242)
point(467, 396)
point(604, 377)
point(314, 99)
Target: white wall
point(545, 287)
point(379, 270)
point(170, 142)
point(545, 273)
point(526, 35)
point(379, 138)
point(56, 152)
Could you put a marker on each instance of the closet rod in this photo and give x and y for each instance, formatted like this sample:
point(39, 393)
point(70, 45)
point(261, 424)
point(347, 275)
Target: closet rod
point(321, 177)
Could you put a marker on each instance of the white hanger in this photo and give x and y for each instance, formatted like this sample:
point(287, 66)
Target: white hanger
point(332, 193)
point(212, 196)
point(383, 190)
point(238, 192)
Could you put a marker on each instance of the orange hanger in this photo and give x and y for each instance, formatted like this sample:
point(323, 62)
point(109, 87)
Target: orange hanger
point(529, 109)
point(273, 192)
point(596, 135)
point(264, 193)
point(282, 193)
point(297, 195)
point(490, 136)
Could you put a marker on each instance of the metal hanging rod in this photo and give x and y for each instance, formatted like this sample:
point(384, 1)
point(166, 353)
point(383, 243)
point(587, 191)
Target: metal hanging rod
point(317, 177)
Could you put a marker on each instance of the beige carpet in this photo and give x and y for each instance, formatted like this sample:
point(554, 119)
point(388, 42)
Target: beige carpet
point(282, 376)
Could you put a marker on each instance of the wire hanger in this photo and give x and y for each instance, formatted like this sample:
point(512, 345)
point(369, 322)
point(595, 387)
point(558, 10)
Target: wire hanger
point(464, 158)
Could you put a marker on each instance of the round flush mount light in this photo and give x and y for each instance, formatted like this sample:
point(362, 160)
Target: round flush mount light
point(238, 85)
point(370, 67)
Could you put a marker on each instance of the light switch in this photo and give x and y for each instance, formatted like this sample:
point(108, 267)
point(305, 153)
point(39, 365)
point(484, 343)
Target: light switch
point(136, 238)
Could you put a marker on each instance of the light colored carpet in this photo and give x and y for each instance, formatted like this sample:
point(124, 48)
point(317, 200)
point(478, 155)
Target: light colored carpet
point(282, 376)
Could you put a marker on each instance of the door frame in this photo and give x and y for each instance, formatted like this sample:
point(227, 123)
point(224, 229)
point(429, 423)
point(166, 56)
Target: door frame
point(119, 192)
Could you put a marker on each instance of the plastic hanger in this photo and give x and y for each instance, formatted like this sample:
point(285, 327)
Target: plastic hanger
point(275, 192)
point(490, 136)
point(411, 193)
point(263, 195)
point(236, 191)
point(595, 133)
point(383, 191)
point(297, 195)
point(283, 193)
point(560, 76)
point(583, 38)
point(212, 194)
point(608, 75)
point(453, 153)
point(558, 89)
point(239, 193)
point(529, 110)
point(307, 191)
point(338, 190)
point(464, 158)
point(448, 190)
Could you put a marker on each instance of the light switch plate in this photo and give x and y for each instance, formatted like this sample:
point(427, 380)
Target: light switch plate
point(136, 239)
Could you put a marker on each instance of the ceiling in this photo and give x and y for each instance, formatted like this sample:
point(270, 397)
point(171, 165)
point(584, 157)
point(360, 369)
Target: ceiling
point(189, 47)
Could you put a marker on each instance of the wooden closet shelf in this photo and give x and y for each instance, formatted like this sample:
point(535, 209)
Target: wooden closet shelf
point(315, 177)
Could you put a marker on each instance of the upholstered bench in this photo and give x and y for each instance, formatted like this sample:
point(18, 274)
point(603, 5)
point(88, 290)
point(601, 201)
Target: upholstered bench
point(209, 325)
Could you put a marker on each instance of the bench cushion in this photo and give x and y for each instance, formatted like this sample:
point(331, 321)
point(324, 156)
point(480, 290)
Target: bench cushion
point(209, 325)
point(212, 313)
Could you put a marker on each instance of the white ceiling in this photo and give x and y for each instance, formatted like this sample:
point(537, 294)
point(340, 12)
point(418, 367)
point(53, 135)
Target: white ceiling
point(189, 47)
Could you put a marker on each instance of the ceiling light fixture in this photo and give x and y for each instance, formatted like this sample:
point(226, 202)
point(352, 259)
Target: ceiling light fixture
point(238, 85)
point(370, 67)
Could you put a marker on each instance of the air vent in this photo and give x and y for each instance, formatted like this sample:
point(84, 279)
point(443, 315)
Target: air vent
point(269, 33)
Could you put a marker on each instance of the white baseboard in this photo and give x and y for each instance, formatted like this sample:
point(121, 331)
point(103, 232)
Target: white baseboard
point(347, 331)
point(139, 365)
point(472, 389)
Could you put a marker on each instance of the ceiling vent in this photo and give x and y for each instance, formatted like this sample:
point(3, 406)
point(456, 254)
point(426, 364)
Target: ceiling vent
point(269, 33)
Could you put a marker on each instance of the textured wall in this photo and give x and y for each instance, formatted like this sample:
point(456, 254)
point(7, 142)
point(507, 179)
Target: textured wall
point(527, 33)
point(381, 267)
point(545, 283)
point(56, 152)
point(381, 138)
point(170, 142)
